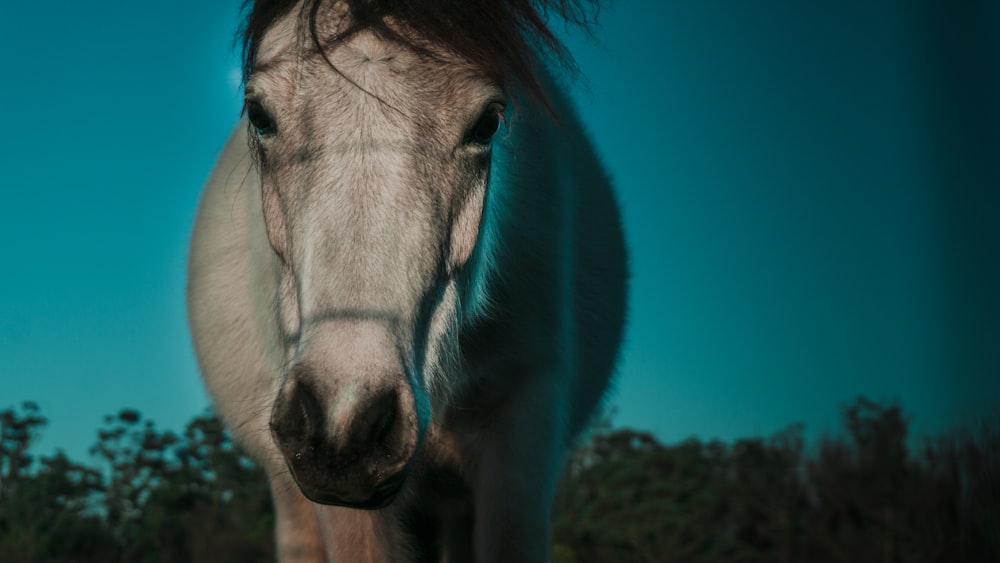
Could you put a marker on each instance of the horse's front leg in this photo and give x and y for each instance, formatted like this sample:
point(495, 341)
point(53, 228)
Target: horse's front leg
point(362, 536)
point(517, 470)
point(297, 533)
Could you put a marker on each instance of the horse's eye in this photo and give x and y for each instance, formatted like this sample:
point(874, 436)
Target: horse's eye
point(261, 121)
point(488, 123)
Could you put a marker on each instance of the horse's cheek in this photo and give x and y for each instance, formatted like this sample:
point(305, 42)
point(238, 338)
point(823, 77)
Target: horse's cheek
point(274, 220)
point(465, 230)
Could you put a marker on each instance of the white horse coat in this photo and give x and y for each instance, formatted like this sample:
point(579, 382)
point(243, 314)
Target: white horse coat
point(419, 326)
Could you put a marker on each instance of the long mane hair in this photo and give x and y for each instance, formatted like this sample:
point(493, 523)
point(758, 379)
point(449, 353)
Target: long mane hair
point(504, 38)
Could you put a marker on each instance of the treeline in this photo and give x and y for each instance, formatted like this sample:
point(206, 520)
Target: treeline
point(861, 496)
point(153, 495)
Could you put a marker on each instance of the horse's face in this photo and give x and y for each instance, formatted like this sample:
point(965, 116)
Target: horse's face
point(373, 194)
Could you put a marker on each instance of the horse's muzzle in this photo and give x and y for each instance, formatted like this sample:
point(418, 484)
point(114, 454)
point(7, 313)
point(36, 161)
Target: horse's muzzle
point(381, 497)
point(361, 464)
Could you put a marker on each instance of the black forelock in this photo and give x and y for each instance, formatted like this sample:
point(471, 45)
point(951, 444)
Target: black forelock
point(502, 37)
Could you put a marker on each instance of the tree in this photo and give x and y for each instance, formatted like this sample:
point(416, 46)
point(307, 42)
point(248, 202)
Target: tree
point(47, 504)
point(186, 499)
point(769, 495)
point(858, 483)
point(631, 498)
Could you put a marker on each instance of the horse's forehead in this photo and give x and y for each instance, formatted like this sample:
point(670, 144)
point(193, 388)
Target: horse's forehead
point(279, 41)
point(289, 41)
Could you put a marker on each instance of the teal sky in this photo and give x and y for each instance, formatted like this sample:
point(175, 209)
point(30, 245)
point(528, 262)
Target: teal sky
point(811, 195)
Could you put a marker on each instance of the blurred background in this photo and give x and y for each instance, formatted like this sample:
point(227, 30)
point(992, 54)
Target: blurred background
point(811, 195)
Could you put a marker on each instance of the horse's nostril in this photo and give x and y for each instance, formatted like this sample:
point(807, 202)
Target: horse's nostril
point(300, 416)
point(311, 411)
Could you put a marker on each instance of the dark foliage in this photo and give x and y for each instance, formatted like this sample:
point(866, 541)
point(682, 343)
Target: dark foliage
point(154, 496)
point(862, 496)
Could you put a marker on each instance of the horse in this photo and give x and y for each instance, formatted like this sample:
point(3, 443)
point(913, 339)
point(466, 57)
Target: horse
point(407, 276)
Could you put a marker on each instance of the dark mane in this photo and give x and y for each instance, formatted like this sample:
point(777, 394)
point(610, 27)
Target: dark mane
point(503, 37)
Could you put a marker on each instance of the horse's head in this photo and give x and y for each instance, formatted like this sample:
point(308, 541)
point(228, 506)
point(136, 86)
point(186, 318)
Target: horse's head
point(374, 157)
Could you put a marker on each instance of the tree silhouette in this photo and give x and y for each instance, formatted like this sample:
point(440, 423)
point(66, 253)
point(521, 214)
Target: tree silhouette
point(863, 495)
point(859, 485)
point(46, 504)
